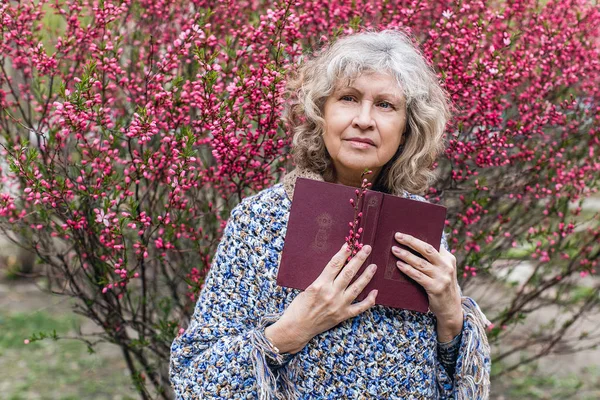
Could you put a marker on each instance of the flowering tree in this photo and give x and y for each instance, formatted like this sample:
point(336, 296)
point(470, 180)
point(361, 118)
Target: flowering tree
point(131, 128)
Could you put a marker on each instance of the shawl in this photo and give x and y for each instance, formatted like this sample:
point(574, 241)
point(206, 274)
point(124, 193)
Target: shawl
point(381, 353)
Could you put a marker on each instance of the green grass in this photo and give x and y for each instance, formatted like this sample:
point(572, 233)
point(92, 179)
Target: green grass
point(57, 370)
point(16, 327)
point(528, 382)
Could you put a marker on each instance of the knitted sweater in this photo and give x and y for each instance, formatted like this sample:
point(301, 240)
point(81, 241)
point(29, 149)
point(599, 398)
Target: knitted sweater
point(383, 353)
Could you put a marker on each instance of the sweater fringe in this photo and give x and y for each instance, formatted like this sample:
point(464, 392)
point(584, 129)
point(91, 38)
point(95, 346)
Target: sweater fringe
point(288, 387)
point(271, 385)
point(474, 382)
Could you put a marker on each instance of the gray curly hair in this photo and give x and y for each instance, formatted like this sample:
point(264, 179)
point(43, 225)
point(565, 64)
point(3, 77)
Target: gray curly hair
point(427, 106)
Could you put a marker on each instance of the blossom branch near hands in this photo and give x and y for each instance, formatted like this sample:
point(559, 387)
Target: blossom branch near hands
point(353, 238)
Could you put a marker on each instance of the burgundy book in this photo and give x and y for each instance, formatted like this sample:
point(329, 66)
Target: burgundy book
point(318, 225)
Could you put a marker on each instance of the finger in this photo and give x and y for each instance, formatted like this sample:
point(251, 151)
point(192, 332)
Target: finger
point(345, 276)
point(414, 261)
point(362, 306)
point(425, 249)
point(357, 287)
point(418, 276)
point(335, 265)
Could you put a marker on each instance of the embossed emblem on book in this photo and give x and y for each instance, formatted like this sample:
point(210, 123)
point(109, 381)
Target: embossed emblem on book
point(324, 222)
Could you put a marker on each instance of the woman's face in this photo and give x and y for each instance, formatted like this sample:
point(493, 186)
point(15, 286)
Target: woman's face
point(372, 110)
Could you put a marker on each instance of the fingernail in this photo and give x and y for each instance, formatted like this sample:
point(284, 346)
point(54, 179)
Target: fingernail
point(367, 249)
point(399, 236)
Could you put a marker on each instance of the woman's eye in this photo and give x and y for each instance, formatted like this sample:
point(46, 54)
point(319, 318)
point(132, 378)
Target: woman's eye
point(386, 104)
point(347, 98)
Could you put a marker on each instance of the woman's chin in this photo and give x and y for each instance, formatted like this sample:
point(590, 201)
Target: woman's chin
point(353, 169)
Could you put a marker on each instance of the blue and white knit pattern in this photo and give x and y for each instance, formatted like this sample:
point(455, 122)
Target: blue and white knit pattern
point(383, 353)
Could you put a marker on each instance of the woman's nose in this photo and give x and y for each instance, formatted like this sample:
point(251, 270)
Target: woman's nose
point(363, 118)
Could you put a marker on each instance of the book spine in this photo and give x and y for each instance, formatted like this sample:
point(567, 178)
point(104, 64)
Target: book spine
point(370, 208)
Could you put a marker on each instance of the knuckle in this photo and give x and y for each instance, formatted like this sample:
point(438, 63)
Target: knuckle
point(445, 282)
point(429, 249)
point(348, 273)
point(314, 288)
point(328, 297)
point(452, 268)
point(450, 259)
point(336, 264)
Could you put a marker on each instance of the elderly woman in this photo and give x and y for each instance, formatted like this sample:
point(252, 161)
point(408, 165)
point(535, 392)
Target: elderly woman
point(369, 101)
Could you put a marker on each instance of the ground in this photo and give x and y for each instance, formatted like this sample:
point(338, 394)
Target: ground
point(64, 370)
point(53, 370)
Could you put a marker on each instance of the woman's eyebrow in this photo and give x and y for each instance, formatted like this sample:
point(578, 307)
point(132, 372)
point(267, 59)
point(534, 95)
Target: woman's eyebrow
point(389, 95)
point(392, 96)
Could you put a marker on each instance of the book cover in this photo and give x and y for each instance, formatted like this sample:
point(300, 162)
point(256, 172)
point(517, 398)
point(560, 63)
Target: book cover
point(318, 225)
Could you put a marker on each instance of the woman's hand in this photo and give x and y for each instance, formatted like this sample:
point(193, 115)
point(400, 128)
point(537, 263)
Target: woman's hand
point(325, 303)
point(437, 275)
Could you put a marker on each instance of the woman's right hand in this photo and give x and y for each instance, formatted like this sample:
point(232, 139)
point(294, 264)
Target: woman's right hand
point(325, 303)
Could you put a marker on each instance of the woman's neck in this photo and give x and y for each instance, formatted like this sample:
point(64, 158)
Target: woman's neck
point(352, 179)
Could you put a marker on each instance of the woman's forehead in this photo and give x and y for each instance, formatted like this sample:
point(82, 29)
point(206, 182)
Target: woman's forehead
point(344, 82)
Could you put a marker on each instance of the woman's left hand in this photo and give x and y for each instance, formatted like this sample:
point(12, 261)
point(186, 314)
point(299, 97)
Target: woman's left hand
point(437, 275)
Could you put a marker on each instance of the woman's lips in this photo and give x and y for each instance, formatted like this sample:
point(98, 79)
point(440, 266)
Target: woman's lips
point(360, 145)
